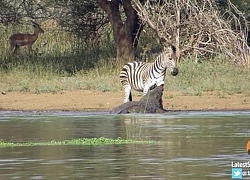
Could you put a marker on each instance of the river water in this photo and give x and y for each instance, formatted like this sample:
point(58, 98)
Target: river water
point(192, 145)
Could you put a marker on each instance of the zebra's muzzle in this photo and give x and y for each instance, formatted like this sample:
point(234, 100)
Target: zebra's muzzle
point(175, 72)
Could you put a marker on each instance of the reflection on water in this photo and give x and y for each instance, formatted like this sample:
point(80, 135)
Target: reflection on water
point(192, 145)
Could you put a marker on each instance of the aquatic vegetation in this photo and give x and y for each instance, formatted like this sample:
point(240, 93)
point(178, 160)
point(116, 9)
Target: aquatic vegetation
point(80, 142)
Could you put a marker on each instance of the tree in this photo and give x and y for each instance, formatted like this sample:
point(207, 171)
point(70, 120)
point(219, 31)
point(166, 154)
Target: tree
point(85, 19)
point(198, 28)
point(243, 6)
point(11, 12)
point(126, 26)
point(81, 17)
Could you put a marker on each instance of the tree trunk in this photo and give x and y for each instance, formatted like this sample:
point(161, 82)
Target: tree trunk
point(126, 33)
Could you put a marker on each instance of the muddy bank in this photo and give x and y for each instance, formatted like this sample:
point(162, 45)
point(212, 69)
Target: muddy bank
point(105, 101)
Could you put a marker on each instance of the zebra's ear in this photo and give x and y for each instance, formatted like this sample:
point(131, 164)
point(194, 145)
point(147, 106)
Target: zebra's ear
point(170, 49)
point(164, 42)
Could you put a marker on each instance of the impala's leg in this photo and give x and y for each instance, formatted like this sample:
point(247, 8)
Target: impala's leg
point(12, 48)
point(128, 95)
point(15, 49)
point(29, 49)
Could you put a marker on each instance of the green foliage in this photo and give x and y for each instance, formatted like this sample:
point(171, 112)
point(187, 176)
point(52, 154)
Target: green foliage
point(75, 142)
point(57, 49)
point(148, 46)
point(194, 79)
point(66, 62)
point(60, 61)
point(82, 17)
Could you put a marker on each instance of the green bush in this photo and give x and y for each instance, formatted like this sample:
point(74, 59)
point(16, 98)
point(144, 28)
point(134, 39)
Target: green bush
point(61, 61)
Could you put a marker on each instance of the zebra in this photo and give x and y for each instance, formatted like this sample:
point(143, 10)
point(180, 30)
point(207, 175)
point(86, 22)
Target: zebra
point(143, 77)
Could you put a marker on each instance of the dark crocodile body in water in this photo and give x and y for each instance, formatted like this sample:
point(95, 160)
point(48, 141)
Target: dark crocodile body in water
point(150, 103)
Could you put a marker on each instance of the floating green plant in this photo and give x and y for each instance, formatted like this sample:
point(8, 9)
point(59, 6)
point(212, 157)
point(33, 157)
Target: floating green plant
point(81, 141)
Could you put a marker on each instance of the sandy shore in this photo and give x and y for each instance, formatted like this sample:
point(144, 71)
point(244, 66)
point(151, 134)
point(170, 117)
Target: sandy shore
point(91, 100)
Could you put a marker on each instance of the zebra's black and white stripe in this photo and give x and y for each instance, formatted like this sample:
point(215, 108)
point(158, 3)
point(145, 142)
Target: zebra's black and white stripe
point(142, 76)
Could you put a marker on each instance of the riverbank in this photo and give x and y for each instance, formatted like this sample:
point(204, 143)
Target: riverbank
point(85, 100)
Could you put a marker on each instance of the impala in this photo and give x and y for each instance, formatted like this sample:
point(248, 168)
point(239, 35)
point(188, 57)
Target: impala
point(20, 39)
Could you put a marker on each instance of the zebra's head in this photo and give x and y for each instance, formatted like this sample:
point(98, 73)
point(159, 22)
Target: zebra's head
point(170, 60)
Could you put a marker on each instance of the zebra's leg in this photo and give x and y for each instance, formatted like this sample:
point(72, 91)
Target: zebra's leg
point(161, 101)
point(128, 95)
point(146, 89)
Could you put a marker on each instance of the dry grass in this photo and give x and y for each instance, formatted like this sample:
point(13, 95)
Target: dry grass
point(62, 62)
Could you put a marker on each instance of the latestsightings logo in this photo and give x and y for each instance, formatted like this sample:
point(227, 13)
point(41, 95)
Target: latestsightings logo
point(236, 173)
